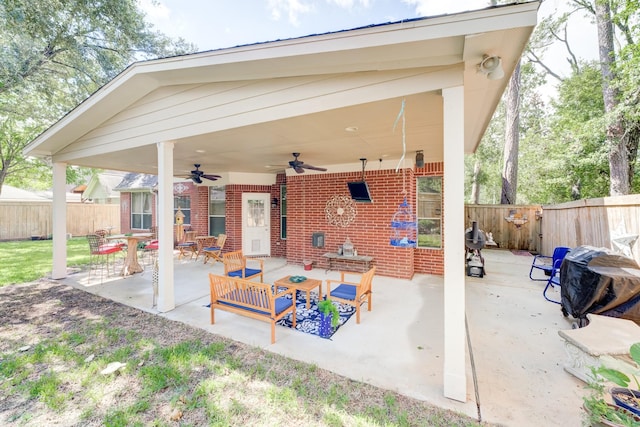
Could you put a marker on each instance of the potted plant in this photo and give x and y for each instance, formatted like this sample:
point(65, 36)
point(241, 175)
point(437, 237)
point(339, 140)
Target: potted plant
point(329, 317)
point(623, 395)
point(603, 413)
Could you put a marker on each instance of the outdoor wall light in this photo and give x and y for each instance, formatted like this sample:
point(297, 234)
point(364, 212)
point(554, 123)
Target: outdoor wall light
point(419, 159)
point(274, 203)
point(491, 66)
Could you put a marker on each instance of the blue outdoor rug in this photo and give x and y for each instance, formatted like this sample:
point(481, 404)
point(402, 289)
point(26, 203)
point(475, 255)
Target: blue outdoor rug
point(308, 320)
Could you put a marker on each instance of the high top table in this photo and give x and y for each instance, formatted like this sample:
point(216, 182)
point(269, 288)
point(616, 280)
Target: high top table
point(131, 264)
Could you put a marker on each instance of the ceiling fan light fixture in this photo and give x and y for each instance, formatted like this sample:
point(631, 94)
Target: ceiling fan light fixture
point(491, 66)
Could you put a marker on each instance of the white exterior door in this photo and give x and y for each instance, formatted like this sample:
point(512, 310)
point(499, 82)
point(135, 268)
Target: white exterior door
point(256, 228)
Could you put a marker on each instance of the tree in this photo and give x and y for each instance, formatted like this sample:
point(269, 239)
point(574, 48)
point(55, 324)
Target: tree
point(511, 140)
point(622, 124)
point(54, 55)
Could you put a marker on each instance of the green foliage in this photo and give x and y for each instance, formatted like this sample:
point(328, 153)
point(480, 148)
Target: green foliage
point(326, 307)
point(54, 55)
point(595, 403)
point(618, 377)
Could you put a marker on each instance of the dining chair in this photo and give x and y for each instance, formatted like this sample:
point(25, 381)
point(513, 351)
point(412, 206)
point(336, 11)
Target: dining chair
point(99, 254)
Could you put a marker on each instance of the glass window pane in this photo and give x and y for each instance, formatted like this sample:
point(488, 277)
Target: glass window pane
point(429, 234)
point(255, 213)
point(430, 212)
point(216, 225)
point(146, 221)
point(136, 220)
point(217, 208)
point(283, 227)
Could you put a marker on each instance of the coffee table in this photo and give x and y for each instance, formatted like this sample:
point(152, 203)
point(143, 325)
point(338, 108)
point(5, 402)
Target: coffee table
point(306, 286)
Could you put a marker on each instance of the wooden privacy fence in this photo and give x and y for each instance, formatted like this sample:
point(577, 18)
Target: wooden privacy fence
point(512, 226)
point(22, 220)
point(590, 222)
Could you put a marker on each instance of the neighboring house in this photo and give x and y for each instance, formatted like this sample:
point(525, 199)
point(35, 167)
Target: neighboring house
point(101, 188)
point(13, 194)
point(384, 93)
point(137, 202)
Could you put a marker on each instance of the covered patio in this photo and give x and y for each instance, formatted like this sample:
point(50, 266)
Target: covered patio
point(399, 345)
point(242, 112)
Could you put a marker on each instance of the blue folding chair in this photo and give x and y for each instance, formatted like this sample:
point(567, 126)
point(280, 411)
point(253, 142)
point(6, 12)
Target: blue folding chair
point(547, 263)
point(554, 280)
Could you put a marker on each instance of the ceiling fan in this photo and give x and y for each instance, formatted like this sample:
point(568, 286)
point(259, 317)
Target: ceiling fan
point(300, 166)
point(197, 175)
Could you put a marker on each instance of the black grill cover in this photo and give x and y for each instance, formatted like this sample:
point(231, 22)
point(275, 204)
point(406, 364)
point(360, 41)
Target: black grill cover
point(594, 281)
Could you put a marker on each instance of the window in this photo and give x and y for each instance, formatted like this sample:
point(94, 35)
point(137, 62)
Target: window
point(430, 212)
point(283, 211)
point(184, 204)
point(217, 206)
point(141, 210)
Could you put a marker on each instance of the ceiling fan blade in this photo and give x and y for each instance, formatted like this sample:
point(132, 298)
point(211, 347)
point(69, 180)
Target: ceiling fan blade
point(315, 168)
point(298, 169)
point(210, 177)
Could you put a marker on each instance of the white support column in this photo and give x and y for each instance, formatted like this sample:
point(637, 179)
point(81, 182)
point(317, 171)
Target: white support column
point(166, 296)
point(59, 220)
point(455, 377)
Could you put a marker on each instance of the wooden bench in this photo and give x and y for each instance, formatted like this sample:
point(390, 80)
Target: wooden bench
point(251, 299)
point(347, 262)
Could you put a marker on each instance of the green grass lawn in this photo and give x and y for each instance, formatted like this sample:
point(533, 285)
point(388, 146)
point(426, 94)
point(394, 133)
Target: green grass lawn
point(28, 260)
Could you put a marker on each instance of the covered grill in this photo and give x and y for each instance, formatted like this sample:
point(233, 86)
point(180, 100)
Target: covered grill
point(594, 281)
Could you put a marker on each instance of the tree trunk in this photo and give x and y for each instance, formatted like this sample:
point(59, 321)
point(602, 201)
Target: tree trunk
point(619, 177)
point(475, 185)
point(512, 140)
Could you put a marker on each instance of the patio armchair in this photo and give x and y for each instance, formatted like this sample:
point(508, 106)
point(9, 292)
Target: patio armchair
point(235, 265)
point(546, 263)
point(352, 293)
point(214, 251)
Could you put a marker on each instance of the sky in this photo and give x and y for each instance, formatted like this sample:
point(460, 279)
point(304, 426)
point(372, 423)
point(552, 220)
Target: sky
point(215, 24)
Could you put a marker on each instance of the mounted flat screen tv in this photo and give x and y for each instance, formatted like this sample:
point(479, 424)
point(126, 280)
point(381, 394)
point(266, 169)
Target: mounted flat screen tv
point(359, 191)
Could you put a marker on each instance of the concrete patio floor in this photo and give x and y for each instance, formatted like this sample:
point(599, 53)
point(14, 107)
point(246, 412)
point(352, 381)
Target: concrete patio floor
point(517, 352)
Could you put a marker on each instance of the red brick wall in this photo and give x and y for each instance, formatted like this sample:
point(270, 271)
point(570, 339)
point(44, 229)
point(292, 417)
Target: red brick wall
point(307, 196)
point(430, 261)
point(233, 212)
point(125, 212)
point(370, 232)
point(278, 245)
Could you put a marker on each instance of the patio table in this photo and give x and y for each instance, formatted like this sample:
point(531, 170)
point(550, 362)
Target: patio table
point(306, 286)
point(131, 264)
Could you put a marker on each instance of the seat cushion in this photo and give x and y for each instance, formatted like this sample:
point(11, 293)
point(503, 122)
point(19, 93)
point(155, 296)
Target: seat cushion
point(282, 304)
point(107, 249)
point(344, 291)
point(248, 272)
point(212, 248)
